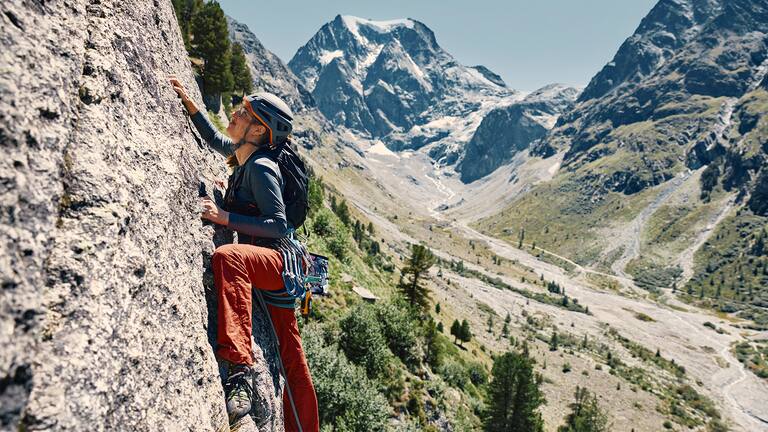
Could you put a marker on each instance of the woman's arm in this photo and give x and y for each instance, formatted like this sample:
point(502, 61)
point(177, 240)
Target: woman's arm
point(265, 184)
point(213, 137)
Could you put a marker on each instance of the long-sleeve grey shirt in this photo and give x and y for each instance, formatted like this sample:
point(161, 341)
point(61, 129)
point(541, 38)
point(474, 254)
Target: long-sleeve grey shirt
point(262, 184)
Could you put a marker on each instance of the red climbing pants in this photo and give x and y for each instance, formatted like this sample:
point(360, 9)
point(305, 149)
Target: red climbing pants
point(237, 268)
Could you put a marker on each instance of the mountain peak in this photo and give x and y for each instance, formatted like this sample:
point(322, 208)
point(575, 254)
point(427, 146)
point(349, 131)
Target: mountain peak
point(354, 23)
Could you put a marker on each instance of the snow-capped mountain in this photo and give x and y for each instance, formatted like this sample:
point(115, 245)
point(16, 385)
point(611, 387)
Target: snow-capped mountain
point(392, 81)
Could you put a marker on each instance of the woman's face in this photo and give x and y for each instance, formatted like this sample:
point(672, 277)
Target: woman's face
point(240, 120)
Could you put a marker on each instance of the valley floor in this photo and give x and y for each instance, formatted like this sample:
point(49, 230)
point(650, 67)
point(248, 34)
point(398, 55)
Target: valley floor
point(410, 199)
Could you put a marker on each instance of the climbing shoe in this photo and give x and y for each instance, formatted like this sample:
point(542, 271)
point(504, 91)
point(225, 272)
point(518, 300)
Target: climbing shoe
point(239, 392)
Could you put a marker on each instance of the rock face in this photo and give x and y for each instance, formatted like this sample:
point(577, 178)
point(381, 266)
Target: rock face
point(506, 131)
point(107, 318)
point(391, 80)
point(666, 101)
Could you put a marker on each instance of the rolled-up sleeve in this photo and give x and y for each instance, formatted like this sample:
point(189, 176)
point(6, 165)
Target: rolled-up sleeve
point(265, 183)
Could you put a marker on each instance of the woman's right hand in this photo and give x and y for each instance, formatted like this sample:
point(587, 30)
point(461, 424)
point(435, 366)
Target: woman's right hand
point(178, 87)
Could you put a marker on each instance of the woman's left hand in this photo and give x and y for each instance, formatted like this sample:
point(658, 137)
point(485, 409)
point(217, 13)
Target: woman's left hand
point(213, 213)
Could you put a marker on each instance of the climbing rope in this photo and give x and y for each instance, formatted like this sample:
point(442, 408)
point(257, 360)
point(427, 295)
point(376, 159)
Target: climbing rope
point(263, 305)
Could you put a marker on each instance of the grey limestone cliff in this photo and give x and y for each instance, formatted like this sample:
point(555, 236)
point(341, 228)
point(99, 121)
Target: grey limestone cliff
point(107, 315)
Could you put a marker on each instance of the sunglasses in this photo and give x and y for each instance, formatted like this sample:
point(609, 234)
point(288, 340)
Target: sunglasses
point(242, 112)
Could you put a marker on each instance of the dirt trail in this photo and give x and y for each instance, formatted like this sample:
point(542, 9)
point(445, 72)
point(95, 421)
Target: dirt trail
point(675, 332)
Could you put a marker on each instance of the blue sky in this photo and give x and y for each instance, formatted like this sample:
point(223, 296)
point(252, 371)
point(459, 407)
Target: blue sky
point(530, 43)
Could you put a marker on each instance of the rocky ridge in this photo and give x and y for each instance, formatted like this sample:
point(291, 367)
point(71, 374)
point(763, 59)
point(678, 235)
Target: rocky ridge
point(665, 101)
point(509, 130)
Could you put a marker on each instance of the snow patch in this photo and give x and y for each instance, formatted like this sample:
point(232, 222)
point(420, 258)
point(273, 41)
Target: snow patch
point(553, 169)
point(546, 120)
point(380, 149)
point(328, 56)
point(353, 23)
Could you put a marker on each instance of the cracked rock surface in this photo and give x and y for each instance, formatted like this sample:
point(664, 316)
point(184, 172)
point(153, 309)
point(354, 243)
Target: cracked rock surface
point(107, 315)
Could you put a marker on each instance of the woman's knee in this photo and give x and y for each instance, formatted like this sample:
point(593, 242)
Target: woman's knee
point(224, 253)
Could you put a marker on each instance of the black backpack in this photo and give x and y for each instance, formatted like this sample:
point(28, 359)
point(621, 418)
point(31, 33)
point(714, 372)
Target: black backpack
point(295, 186)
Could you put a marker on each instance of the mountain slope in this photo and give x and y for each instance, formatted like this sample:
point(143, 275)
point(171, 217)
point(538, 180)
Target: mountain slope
point(666, 142)
point(271, 74)
point(665, 111)
point(509, 130)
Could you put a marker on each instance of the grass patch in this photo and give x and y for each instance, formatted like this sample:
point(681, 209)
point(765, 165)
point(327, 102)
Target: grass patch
point(731, 268)
point(651, 276)
point(561, 301)
point(754, 355)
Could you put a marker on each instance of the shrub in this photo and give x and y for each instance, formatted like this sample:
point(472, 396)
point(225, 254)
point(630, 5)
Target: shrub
point(346, 398)
point(338, 244)
point(315, 195)
point(322, 224)
point(362, 340)
point(477, 373)
point(400, 330)
point(454, 373)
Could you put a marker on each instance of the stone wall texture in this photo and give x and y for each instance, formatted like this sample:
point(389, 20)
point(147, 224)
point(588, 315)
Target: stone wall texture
point(107, 313)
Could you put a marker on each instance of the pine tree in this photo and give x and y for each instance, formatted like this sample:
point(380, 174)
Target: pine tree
point(185, 12)
point(243, 84)
point(553, 342)
point(455, 330)
point(211, 43)
point(490, 323)
point(513, 396)
point(342, 211)
point(432, 349)
point(417, 265)
point(437, 308)
point(466, 333)
point(758, 248)
point(586, 414)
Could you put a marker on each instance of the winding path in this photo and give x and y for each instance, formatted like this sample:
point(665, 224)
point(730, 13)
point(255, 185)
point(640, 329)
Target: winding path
point(680, 329)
